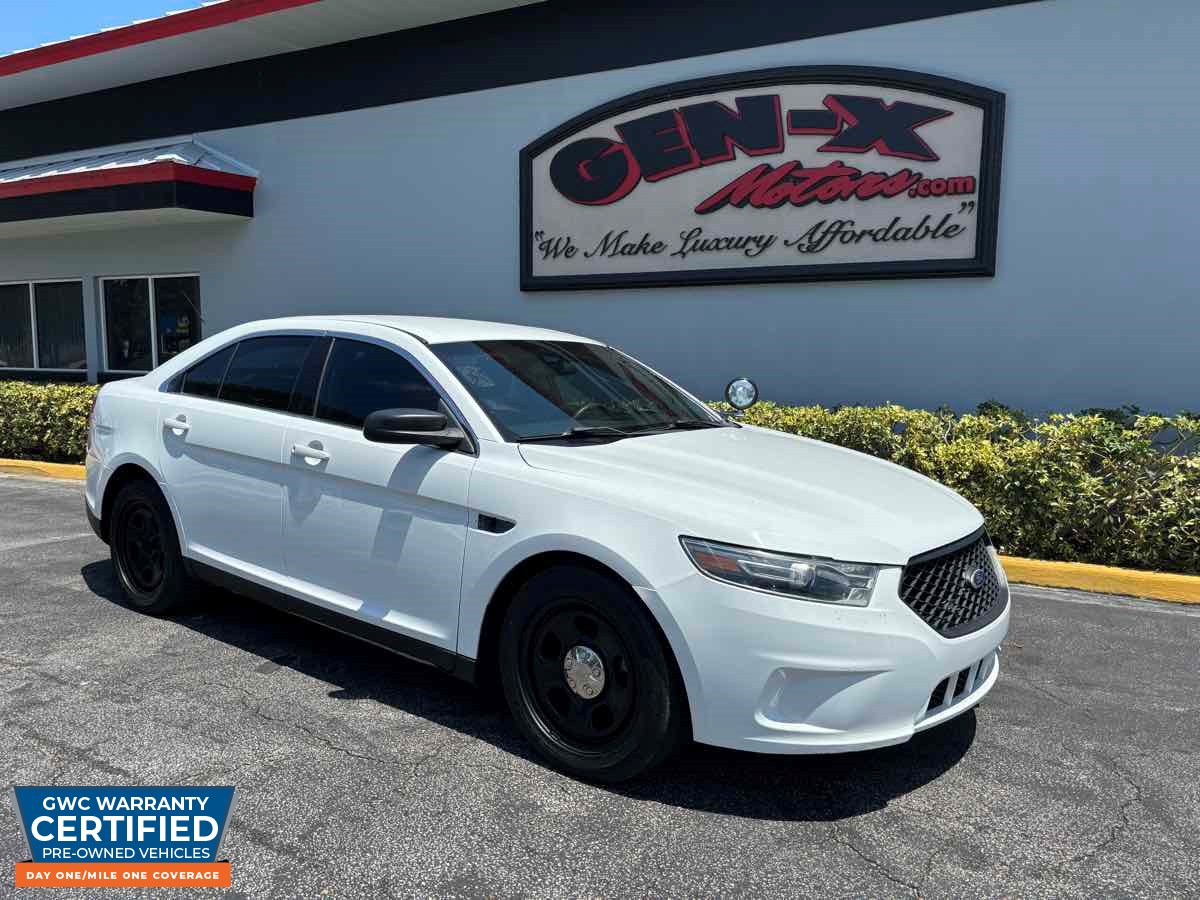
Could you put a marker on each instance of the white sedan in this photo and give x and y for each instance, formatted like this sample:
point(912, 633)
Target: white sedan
point(541, 512)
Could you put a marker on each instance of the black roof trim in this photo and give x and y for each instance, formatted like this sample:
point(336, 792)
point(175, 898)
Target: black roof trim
point(548, 40)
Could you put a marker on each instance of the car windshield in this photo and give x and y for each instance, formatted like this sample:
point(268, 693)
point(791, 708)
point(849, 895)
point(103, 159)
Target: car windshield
point(548, 389)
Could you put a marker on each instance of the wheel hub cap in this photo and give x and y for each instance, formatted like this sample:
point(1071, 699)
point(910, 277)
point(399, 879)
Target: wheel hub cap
point(584, 671)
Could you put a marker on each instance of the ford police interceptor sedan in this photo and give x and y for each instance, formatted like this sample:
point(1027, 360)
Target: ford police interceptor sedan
point(541, 512)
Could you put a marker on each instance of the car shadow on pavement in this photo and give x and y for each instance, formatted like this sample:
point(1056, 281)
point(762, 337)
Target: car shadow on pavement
point(823, 788)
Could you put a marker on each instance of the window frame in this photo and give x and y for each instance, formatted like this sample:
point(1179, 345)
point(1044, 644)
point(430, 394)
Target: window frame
point(151, 302)
point(175, 383)
point(33, 326)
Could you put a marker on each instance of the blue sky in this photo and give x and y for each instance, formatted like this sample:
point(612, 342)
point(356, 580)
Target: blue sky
point(29, 24)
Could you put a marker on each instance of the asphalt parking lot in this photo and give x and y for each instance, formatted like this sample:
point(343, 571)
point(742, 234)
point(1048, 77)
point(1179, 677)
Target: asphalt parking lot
point(361, 775)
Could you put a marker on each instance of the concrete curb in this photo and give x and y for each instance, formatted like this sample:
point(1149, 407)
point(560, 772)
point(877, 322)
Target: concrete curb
point(1104, 579)
point(46, 469)
point(1080, 576)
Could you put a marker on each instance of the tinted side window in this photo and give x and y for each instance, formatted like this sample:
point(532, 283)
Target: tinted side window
point(362, 378)
point(264, 371)
point(204, 378)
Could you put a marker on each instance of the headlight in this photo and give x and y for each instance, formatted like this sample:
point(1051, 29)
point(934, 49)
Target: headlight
point(802, 577)
point(1001, 575)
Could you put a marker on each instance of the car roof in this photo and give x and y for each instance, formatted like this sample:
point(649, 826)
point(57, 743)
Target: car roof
point(443, 330)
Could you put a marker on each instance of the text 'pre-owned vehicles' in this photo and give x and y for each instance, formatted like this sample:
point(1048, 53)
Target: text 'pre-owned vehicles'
point(541, 512)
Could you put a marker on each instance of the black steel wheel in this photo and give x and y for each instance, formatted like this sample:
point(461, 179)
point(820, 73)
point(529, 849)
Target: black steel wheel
point(145, 549)
point(142, 546)
point(588, 677)
point(578, 674)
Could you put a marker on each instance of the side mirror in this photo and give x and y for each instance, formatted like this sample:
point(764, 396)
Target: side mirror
point(412, 426)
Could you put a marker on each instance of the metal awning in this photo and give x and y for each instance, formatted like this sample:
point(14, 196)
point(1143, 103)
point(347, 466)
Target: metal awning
point(212, 33)
point(119, 187)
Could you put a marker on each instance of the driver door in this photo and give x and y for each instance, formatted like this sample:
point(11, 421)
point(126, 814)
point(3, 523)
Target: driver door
point(375, 531)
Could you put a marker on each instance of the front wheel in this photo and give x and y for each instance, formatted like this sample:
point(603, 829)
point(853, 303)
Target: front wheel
point(145, 550)
point(587, 676)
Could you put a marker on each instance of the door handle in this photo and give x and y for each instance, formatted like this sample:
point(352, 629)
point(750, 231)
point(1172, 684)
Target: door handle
point(312, 455)
point(178, 424)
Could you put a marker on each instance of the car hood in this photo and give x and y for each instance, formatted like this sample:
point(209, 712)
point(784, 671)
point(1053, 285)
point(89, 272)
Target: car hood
point(763, 488)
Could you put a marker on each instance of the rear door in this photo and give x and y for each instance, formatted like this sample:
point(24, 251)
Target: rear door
point(222, 452)
point(376, 531)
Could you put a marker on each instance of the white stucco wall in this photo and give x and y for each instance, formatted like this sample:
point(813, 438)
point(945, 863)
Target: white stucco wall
point(413, 209)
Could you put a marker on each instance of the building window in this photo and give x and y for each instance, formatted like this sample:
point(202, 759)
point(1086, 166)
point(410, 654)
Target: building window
point(41, 326)
point(58, 307)
point(149, 320)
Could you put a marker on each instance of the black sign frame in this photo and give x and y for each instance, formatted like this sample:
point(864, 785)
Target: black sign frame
point(982, 264)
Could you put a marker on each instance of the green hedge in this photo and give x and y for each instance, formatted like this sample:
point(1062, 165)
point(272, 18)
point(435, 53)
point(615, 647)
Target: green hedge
point(44, 421)
point(1102, 488)
point(1110, 487)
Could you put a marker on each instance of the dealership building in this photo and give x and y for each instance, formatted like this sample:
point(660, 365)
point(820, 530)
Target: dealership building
point(926, 202)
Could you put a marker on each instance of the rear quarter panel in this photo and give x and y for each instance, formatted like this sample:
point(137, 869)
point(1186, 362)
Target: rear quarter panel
point(125, 432)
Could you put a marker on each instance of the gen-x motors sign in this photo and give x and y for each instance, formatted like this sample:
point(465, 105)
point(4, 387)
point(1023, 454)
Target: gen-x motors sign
point(801, 174)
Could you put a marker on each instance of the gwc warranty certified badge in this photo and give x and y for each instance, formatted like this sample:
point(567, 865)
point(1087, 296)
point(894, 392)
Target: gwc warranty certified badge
point(123, 836)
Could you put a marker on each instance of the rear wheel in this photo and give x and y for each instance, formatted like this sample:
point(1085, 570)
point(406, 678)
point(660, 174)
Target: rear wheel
point(587, 676)
point(145, 550)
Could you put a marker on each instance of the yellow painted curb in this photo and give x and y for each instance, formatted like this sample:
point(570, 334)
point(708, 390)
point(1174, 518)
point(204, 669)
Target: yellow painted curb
point(1104, 579)
point(47, 469)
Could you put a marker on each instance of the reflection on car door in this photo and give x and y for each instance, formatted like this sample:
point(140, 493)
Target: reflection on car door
point(375, 530)
point(222, 435)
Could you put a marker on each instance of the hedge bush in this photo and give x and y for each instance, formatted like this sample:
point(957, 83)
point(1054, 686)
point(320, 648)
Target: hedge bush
point(1078, 488)
point(44, 421)
point(1116, 489)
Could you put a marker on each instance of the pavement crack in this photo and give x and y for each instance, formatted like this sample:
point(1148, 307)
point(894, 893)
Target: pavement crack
point(86, 755)
point(430, 755)
point(255, 705)
point(1045, 692)
point(315, 735)
point(1115, 830)
point(839, 837)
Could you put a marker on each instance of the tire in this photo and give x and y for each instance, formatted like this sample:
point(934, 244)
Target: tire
point(145, 550)
point(637, 715)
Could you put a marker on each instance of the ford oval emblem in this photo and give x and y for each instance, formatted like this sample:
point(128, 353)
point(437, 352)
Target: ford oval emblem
point(974, 577)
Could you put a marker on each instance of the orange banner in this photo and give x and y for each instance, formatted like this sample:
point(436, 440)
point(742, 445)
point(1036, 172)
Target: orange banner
point(93, 875)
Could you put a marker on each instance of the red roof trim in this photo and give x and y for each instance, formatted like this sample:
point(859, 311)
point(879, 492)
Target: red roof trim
point(152, 172)
point(144, 32)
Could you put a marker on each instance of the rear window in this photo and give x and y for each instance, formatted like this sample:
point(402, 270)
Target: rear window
point(264, 371)
point(204, 378)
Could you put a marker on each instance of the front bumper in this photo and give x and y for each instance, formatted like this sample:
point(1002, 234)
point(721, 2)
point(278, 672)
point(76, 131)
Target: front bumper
point(776, 675)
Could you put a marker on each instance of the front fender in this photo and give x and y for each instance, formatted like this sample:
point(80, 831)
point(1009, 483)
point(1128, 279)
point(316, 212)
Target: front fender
point(478, 595)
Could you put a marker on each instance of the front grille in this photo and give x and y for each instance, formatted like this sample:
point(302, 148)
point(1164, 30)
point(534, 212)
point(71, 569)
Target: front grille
point(936, 587)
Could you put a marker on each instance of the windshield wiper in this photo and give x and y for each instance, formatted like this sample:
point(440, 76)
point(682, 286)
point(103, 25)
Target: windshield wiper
point(578, 433)
point(683, 425)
